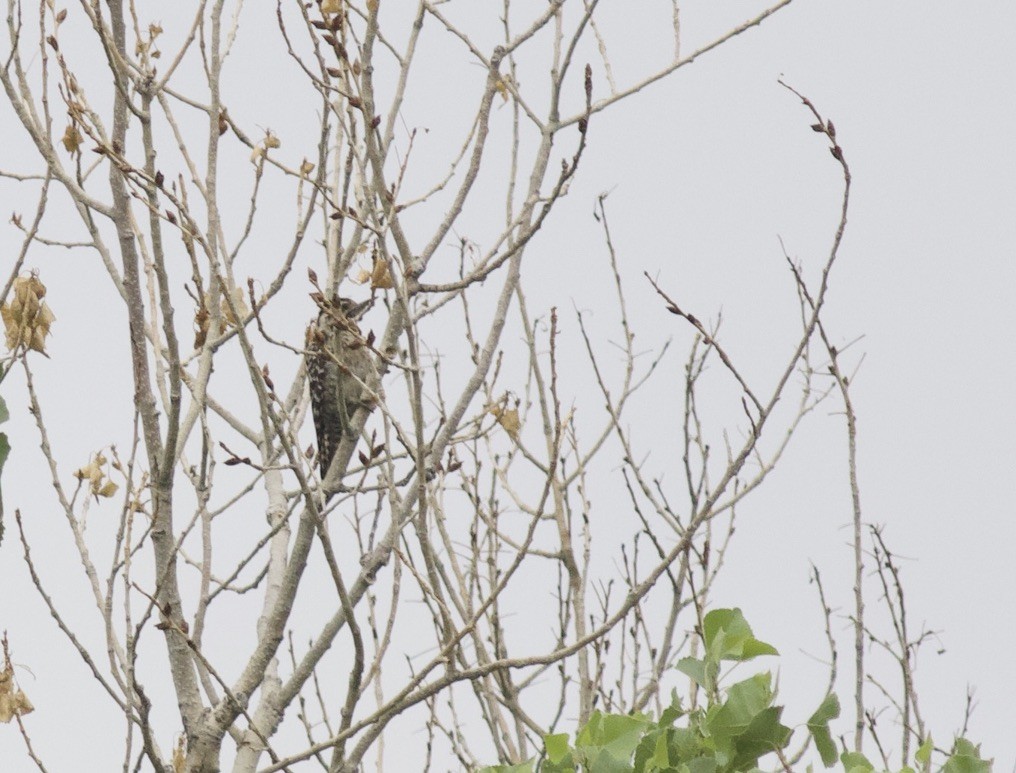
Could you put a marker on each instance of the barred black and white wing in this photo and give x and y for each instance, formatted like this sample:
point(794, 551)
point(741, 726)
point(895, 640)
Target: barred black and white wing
point(323, 379)
point(338, 364)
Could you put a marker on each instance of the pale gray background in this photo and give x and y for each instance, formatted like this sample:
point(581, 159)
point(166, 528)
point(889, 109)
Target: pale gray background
point(706, 170)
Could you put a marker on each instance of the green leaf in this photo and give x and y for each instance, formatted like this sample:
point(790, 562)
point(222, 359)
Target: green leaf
point(613, 735)
point(829, 710)
point(923, 755)
point(763, 735)
point(694, 668)
point(966, 758)
point(673, 712)
point(4, 415)
point(556, 746)
point(702, 765)
point(524, 767)
point(961, 763)
point(729, 637)
point(736, 728)
point(591, 733)
point(855, 762)
point(965, 748)
point(696, 765)
point(685, 744)
point(744, 701)
point(818, 726)
point(652, 753)
point(605, 762)
point(566, 765)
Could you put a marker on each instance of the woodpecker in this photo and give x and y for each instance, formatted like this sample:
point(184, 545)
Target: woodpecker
point(338, 364)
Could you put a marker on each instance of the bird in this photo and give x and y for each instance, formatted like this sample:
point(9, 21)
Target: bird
point(338, 365)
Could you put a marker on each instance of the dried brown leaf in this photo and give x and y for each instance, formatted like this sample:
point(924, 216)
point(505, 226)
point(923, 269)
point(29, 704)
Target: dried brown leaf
point(71, 138)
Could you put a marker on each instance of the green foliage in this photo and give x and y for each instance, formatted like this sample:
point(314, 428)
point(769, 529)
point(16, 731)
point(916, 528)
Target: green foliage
point(923, 755)
point(738, 726)
point(965, 757)
point(818, 726)
point(727, 636)
point(525, 767)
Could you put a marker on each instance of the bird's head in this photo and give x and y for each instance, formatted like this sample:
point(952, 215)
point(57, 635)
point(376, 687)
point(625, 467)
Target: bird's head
point(350, 309)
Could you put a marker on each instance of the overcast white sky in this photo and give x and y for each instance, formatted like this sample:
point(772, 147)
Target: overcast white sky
point(707, 171)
